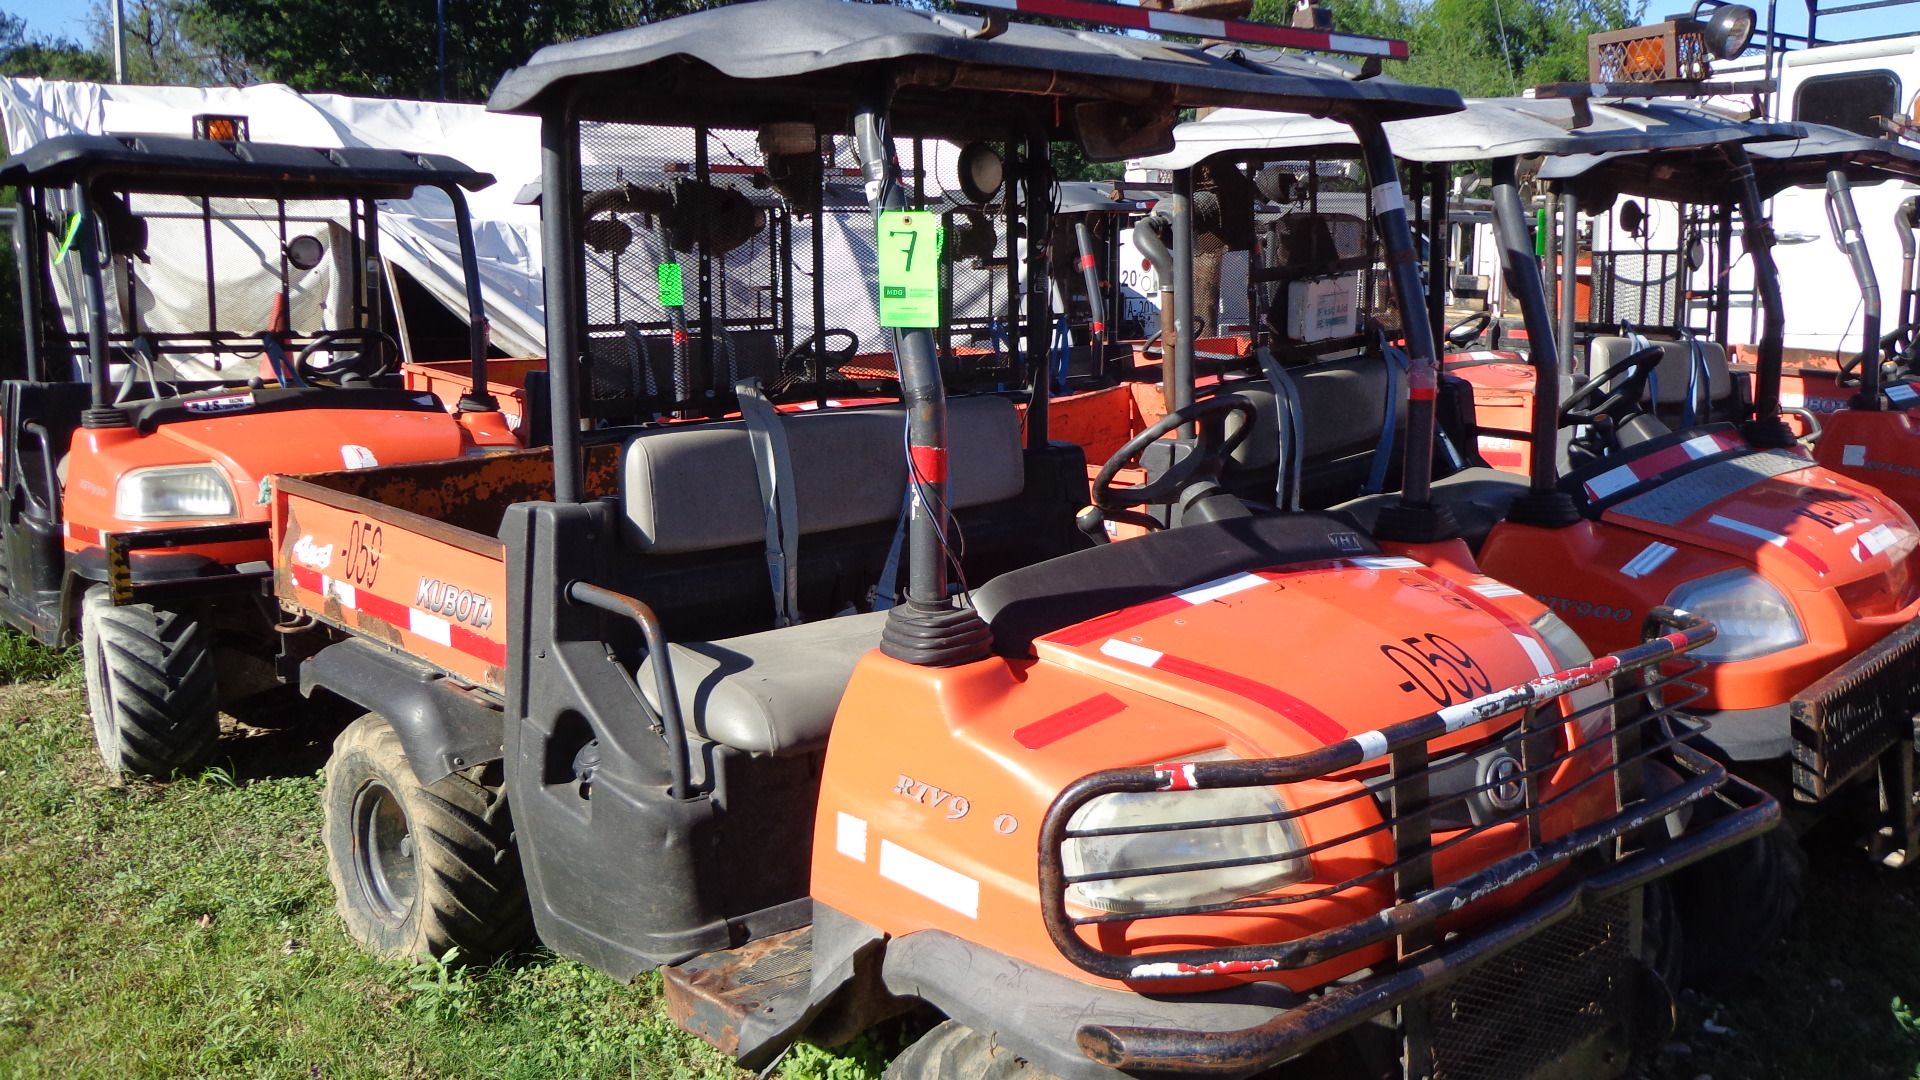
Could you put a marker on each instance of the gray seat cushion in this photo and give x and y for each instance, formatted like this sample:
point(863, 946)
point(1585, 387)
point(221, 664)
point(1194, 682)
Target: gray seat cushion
point(693, 487)
point(774, 692)
point(1478, 498)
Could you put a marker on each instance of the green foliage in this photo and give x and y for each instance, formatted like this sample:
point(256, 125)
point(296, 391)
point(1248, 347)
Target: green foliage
point(23, 660)
point(1070, 163)
point(388, 47)
point(1480, 47)
point(24, 55)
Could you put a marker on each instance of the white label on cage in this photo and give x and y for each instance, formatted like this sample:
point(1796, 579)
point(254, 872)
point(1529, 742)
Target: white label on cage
point(1323, 308)
point(1853, 455)
point(1387, 197)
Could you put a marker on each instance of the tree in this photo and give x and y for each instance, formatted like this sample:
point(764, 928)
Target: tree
point(159, 49)
point(389, 48)
point(35, 56)
point(1480, 47)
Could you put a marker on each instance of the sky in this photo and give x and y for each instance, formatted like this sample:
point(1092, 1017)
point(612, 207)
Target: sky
point(56, 18)
point(68, 18)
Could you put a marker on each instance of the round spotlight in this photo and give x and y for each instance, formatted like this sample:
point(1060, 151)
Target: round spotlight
point(981, 172)
point(1728, 30)
point(305, 252)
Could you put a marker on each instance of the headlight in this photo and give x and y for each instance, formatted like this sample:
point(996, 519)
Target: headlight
point(1204, 842)
point(1753, 617)
point(1568, 651)
point(174, 492)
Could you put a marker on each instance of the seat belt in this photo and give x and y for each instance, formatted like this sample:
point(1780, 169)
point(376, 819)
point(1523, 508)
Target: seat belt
point(1286, 485)
point(888, 587)
point(772, 464)
point(1696, 368)
point(1397, 362)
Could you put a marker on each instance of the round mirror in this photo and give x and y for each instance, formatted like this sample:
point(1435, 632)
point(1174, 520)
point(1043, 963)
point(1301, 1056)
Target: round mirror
point(1696, 252)
point(1633, 219)
point(305, 252)
point(981, 172)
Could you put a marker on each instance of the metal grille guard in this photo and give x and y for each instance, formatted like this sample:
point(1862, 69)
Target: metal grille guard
point(1645, 699)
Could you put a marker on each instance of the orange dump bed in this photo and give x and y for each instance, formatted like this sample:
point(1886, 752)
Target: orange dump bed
point(409, 556)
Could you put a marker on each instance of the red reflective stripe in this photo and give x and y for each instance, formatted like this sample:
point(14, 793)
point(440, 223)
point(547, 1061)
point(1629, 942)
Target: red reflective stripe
point(84, 533)
point(1660, 461)
point(1134, 18)
point(383, 609)
point(681, 337)
point(1306, 717)
point(1421, 393)
point(1099, 327)
point(930, 463)
point(1806, 555)
point(1073, 718)
point(307, 579)
point(478, 646)
point(1086, 262)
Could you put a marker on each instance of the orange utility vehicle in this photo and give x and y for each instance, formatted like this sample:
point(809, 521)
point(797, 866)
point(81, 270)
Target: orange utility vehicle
point(1808, 574)
point(1194, 803)
point(158, 399)
point(1872, 437)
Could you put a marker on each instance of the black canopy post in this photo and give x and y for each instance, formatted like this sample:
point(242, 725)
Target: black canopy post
point(559, 224)
point(1037, 182)
point(1543, 504)
point(1176, 372)
point(92, 242)
point(476, 399)
point(1766, 428)
point(26, 243)
point(1416, 518)
point(1439, 253)
point(1845, 219)
point(1905, 217)
point(928, 629)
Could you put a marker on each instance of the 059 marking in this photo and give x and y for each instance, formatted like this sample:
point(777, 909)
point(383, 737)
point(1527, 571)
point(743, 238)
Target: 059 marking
point(1438, 667)
point(363, 553)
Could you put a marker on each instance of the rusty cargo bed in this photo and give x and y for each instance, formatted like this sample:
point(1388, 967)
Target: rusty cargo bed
point(409, 556)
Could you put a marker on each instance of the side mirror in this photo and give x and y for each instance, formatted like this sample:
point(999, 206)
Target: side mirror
point(1112, 131)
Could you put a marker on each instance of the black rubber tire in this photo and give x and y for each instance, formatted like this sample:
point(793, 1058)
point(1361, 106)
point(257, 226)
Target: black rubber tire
point(150, 687)
point(450, 877)
point(1736, 906)
point(1662, 940)
point(954, 1051)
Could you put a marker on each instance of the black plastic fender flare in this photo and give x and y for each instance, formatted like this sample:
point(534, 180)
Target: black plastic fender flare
point(443, 725)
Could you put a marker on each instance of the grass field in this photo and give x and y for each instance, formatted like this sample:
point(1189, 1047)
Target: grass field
point(188, 930)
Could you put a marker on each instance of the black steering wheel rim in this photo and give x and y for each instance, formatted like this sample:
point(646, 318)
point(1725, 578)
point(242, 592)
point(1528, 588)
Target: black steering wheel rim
point(1213, 446)
point(1480, 320)
point(388, 345)
point(1620, 386)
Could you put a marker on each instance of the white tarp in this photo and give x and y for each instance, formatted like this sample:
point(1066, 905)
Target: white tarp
point(417, 234)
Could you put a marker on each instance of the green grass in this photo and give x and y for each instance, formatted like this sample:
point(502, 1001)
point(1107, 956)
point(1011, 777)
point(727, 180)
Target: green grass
point(22, 660)
point(188, 930)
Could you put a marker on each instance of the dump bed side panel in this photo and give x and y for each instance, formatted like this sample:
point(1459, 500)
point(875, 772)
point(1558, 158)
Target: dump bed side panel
point(416, 584)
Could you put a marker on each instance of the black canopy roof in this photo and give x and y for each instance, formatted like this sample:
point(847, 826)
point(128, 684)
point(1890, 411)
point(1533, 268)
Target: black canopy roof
point(173, 164)
point(809, 60)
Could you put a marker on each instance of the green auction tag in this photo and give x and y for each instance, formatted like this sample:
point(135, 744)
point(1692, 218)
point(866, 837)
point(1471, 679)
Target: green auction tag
point(910, 247)
point(672, 290)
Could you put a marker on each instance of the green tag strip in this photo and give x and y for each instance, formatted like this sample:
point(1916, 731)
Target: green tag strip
point(672, 289)
point(66, 241)
point(911, 245)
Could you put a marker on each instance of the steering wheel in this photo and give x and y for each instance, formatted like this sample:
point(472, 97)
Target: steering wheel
point(1468, 330)
point(1210, 453)
point(1616, 393)
point(822, 342)
point(378, 344)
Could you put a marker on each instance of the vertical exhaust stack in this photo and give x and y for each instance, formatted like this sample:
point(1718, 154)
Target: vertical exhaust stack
point(928, 629)
point(1766, 428)
point(1845, 220)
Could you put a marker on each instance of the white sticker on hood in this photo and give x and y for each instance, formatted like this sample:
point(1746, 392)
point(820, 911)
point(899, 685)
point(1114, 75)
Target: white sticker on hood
point(1853, 455)
point(357, 457)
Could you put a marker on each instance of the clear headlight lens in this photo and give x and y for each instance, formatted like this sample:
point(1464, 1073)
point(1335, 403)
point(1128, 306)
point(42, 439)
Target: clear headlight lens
point(1754, 618)
point(1568, 651)
point(1141, 853)
point(174, 492)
